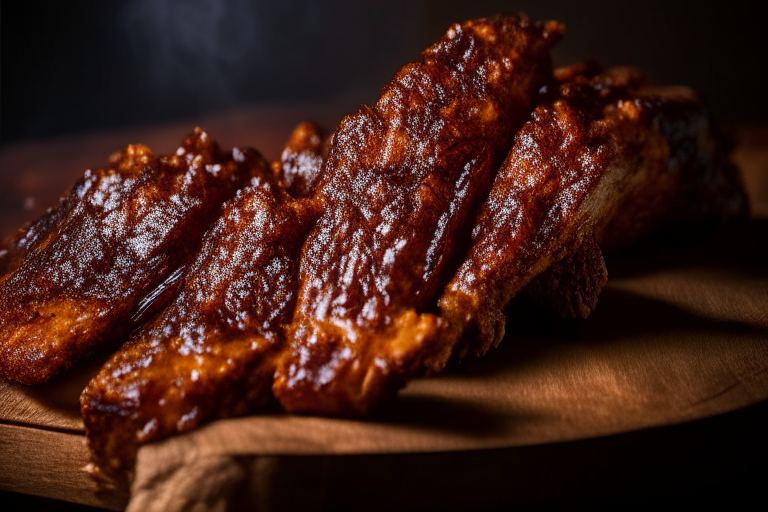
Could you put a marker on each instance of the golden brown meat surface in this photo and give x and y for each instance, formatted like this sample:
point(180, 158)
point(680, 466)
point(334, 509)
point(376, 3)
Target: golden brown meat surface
point(397, 193)
point(604, 163)
point(101, 260)
point(210, 353)
point(300, 164)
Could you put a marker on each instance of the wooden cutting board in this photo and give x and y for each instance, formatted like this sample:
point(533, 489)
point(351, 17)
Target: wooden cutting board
point(681, 333)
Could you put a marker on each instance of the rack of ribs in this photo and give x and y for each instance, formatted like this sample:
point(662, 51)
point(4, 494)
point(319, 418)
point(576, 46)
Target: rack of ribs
point(108, 254)
point(213, 352)
point(330, 278)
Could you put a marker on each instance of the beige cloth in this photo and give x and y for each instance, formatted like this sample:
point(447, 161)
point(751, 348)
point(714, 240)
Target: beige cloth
point(680, 333)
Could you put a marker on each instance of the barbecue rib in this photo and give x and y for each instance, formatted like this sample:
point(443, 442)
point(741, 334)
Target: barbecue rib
point(397, 193)
point(604, 163)
point(210, 353)
point(105, 257)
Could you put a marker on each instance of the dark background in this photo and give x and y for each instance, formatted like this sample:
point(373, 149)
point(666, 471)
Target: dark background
point(75, 66)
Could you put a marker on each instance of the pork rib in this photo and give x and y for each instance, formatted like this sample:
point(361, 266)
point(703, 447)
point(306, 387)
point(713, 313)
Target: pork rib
point(602, 163)
point(397, 193)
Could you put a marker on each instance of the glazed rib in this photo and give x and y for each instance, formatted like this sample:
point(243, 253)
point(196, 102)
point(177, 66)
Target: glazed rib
point(85, 272)
point(397, 193)
point(210, 353)
point(604, 163)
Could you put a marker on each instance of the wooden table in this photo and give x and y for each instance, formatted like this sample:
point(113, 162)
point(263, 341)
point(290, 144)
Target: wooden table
point(569, 400)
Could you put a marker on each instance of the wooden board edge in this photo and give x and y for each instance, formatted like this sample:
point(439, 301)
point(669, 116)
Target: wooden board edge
point(52, 465)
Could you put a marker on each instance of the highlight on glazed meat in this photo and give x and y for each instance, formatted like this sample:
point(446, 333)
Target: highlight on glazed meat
point(210, 353)
point(601, 163)
point(397, 192)
point(108, 253)
point(300, 164)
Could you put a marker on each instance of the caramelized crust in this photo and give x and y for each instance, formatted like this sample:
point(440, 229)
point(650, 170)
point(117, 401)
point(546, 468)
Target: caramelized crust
point(301, 161)
point(604, 161)
point(397, 192)
point(86, 271)
point(210, 353)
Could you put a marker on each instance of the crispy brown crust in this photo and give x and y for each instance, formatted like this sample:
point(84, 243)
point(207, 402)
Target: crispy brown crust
point(605, 159)
point(397, 192)
point(210, 354)
point(86, 265)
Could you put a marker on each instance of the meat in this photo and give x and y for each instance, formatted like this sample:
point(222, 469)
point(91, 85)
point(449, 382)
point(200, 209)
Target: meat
point(397, 193)
point(93, 266)
point(210, 353)
point(601, 164)
point(572, 285)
